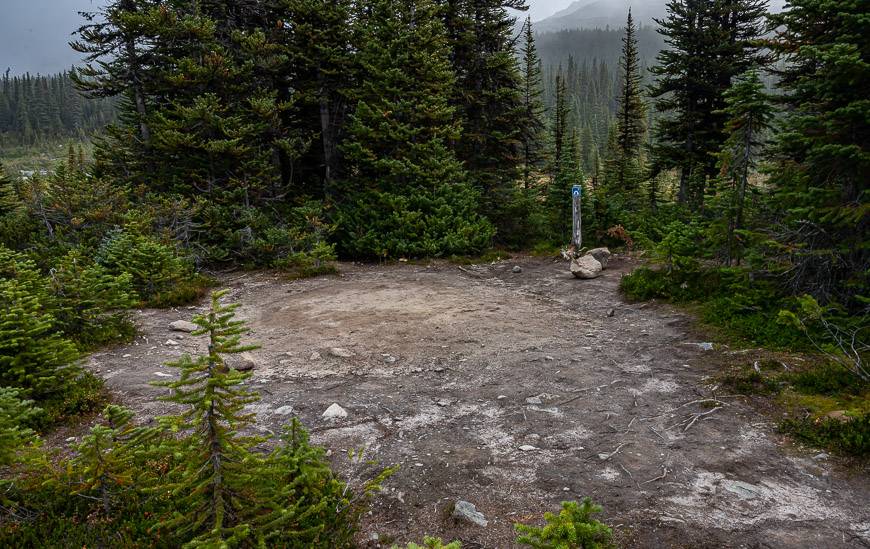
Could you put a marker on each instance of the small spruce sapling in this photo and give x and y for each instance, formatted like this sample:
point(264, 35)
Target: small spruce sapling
point(216, 489)
point(572, 528)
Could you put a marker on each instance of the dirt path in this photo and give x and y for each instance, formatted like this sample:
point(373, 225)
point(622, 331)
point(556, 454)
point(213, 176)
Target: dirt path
point(454, 371)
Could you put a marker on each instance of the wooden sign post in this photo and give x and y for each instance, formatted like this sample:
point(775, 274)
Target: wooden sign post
point(576, 234)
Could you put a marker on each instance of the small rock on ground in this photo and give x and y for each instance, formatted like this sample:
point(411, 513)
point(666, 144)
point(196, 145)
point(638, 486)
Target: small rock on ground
point(602, 255)
point(334, 412)
point(517, 269)
point(466, 511)
point(183, 326)
point(340, 352)
point(284, 410)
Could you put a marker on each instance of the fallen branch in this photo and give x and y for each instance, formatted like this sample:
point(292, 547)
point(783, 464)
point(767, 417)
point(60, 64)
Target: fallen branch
point(468, 272)
point(605, 457)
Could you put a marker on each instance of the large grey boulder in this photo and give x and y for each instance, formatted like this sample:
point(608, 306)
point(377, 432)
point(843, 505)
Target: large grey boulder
point(586, 267)
point(602, 255)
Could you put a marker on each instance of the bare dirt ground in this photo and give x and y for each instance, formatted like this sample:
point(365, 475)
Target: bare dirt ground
point(453, 371)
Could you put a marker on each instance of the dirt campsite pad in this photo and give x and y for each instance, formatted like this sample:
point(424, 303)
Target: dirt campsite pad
point(515, 391)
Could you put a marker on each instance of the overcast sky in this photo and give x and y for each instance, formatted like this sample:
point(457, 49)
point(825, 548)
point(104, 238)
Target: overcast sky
point(34, 33)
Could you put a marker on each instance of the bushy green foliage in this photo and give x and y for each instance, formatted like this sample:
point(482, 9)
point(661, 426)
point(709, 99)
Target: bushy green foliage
point(851, 436)
point(572, 528)
point(33, 355)
point(91, 303)
point(15, 414)
point(432, 543)
point(160, 276)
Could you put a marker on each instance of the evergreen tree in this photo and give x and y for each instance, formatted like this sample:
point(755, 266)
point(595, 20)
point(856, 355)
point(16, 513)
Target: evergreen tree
point(214, 483)
point(15, 414)
point(408, 195)
point(560, 123)
point(488, 98)
point(631, 116)
point(709, 43)
point(532, 124)
point(33, 356)
point(750, 114)
point(823, 150)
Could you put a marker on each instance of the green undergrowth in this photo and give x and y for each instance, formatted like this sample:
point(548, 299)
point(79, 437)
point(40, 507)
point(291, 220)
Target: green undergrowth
point(825, 405)
point(740, 309)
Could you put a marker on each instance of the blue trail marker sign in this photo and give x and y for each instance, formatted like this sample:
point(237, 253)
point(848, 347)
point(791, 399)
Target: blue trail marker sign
point(577, 237)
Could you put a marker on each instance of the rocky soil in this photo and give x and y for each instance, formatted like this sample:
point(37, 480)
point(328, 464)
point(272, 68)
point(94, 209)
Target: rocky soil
point(515, 389)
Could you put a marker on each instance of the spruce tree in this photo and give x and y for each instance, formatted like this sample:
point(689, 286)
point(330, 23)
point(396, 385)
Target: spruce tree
point(532, 124)
point(631, 114)
point(823, 150)
point(33, 356)
point(214, 479)
point(487, 97)
point(709, 43)
point(408, 194)
point(750, 114)
point(15, 414)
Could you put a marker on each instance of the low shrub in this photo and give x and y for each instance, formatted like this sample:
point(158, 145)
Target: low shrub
point(849, 436)
point(572, 528)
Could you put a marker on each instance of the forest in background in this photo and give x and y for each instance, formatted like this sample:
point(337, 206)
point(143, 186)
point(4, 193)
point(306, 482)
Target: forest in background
point(287, 133)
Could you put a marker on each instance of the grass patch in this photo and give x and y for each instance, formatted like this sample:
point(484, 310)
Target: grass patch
point(488, 256)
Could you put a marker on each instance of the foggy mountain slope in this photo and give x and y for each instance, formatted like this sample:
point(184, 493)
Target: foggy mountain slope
point(586, 14)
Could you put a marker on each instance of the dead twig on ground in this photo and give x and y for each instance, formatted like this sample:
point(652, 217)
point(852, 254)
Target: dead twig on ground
point(470, 272)
point(692, 419)
point(627, 472)
point(583, 390)
point(606, 456)
point(657, 434)
point(660, 477)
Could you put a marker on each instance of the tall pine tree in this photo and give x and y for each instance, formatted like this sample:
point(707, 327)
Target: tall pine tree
point(709, 42)
point(532, 124)
point(631, 114)
point(407, 193)
point(823, 150)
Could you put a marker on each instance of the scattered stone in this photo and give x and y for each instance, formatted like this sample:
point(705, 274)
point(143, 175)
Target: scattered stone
point(341, 352)
point(439, 369)
point(126, 356)
point(314, 356)
point(443, 403)
point(528, 448)
point(602, 255)
point(71, 439)
point(284, 410)
point(245, 363)
point(611, 312)
point(548, 358)
point(839, 415)
point(389, 359)
point(183, 326)
point(334, 412)
point(566, 489)
point(820, 456)
point(171, 342)
point(586, 267)
point(517, 269)
point(501, 397)
point(466, 511)
point(162, 374)
point(534, 400)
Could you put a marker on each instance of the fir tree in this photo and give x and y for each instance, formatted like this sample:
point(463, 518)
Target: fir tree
point(213, 487)
point(709, 43)
point(560, 123)
point(15, 414)
point(532, 124)
point(823, 151)
point(750, 114)
point(408, 195)
point(487, 97)
point(631, 115)
point(33, 356)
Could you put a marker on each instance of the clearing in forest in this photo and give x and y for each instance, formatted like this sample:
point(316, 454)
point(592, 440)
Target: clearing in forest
point(515, 391)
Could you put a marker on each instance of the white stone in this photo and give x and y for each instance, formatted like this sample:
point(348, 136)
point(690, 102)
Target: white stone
point(171, 342)
point(284, 410)
point(314, 356)
point(586, 267)
point(528, 448)
point(334, 412)
point(341, 352)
